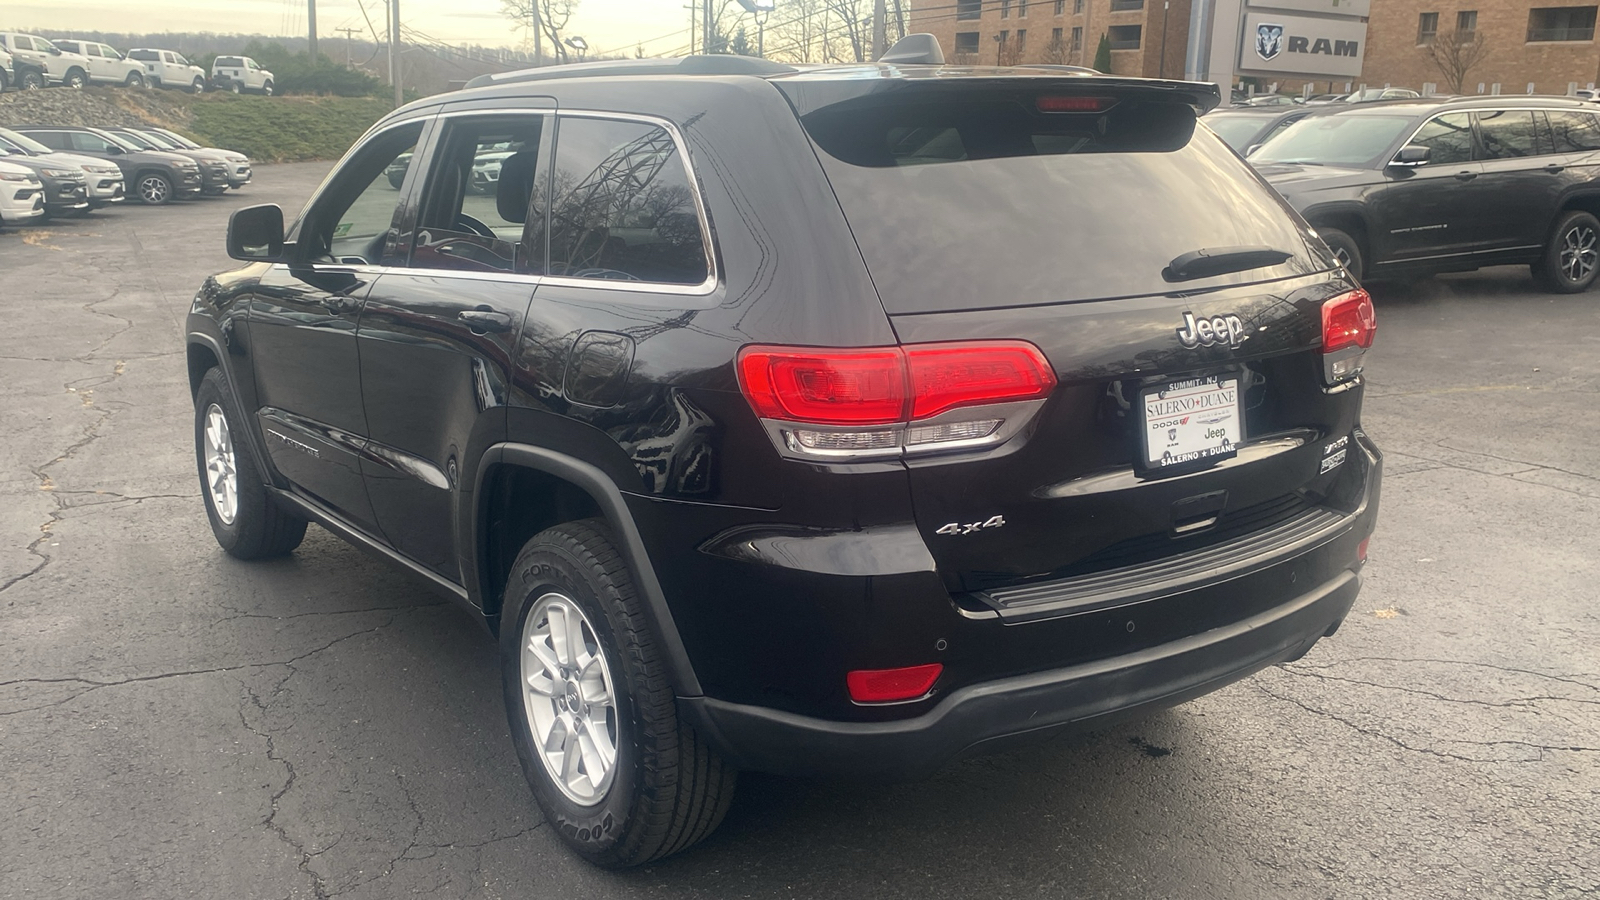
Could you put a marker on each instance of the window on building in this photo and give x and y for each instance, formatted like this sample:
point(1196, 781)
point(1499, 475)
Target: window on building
point(1022, 39)
point(1022, 9)
point(1005, 9)
point(1427, 28)
point(1055, 37)
point(1467, 24)
point(1126, 5)
point(1077, 39)
point(969, 9)
point(1508, 134)
point(967, 43)
point(1561, 23)
point(1061, 7)
point(1124, 37)
point(1077, 7)
point(1449, 137)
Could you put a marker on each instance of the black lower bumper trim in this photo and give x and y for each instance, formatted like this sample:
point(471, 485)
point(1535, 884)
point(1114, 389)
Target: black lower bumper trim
point(982, 716)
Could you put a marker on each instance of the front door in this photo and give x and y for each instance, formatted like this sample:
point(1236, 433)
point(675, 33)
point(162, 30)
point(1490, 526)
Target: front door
point(1431, 212)
point(302, 331)
point(437, 335)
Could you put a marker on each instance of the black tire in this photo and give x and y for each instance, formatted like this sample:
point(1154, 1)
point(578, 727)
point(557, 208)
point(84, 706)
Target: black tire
point(234, 87)
point(75, 79)
point(1346, 249)
point(668, 790)
point(1571, 257)
point(31, 80)
point(135, 80)
point(5, 81)
point(153, 188)
point(198, 87)
point(259, 528)
point(267, 89)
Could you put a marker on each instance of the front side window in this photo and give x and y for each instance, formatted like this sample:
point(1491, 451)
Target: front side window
point(480, 196)
point(349, 222)
point(90, 143)
point(1449, 137)
point(1348, 140)
point(622, 206)
point(1508, 134)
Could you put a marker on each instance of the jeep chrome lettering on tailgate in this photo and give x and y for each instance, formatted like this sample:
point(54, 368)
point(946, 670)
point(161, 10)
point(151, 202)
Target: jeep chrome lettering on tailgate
point(1226, 330)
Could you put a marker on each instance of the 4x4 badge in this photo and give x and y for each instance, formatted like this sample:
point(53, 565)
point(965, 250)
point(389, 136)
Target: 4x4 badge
point(1225, 330)
point(973, 527)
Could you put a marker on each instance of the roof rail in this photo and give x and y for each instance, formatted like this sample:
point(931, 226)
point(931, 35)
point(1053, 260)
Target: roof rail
point(688, 65)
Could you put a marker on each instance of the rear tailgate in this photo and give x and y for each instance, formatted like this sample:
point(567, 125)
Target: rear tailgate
point(980, 216)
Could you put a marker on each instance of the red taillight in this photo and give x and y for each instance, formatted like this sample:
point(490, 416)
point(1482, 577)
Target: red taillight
point(825, 387)
point(1061, 104)
point(947, 376)
point(888, 685)
point(1361, 549)
point(1348, 321)
point(884, 385)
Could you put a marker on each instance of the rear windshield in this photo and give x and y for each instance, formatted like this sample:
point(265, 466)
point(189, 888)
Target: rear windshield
point(981, 202)
point(229, 61)
point(145, 55)
point(1359, 140)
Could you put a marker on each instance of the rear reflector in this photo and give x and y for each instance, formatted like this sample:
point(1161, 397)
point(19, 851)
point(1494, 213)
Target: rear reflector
point(888, 685)
point(1361, 549)
point(1064, 104)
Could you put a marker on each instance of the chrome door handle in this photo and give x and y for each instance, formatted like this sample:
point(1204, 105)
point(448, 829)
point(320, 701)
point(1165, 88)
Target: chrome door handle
point(340, 305)
point(1466, 175)
point(485, 320)
point(1554, 169)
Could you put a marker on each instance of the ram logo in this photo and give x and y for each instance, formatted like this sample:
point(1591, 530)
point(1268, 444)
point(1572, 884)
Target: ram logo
point(1269, 41)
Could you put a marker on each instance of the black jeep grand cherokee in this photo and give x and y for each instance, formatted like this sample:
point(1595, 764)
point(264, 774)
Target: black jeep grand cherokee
point(833, 420)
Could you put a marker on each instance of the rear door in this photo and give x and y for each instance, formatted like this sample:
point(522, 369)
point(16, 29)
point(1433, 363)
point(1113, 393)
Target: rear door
point(438, 333)
point(983, 217)
point(1522, 180)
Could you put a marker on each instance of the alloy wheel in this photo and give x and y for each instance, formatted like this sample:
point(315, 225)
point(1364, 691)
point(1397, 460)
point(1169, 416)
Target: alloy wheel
point(567, 693)
point(153, 189)
point(1579, 253)
point(222, 474)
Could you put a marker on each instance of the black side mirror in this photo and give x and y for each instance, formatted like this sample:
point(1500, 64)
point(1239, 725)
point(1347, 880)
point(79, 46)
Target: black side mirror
point(1411, 156)
point(55, 51)
point(255, 233)
point(114, 150)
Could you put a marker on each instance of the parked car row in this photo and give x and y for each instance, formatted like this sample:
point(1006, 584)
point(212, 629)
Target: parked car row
point(30, 62)
point(72, 170)
point(1410, 188)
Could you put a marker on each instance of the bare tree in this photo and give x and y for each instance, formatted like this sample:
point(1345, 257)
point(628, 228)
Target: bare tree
point(1011, 51)
point(1455, 54)
point(550, 17)
point(796, 36)
point(854, 26)
point(1055, 52)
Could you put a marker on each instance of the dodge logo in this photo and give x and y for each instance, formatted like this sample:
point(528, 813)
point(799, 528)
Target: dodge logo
point(1227, 331)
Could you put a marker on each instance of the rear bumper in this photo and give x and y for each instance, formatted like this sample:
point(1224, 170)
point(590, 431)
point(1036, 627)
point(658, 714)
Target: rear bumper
point(983, 716)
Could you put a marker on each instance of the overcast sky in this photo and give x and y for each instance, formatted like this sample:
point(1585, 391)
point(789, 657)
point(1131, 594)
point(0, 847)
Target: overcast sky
point(608, 25)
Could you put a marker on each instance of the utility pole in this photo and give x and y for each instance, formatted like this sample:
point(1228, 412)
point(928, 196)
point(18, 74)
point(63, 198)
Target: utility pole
point(1165, 8)
point(311, 26)
point(694, 24)
point(349, 41)
point(394, 38)
point(709, 33)
point(880, 15)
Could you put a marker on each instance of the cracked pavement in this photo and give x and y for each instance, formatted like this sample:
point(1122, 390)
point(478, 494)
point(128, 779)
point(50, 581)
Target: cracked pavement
point(174, 723)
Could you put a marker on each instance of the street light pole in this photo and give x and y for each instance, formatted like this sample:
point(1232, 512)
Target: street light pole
point(1165, 8)
point(311, 27)
point(394, 38)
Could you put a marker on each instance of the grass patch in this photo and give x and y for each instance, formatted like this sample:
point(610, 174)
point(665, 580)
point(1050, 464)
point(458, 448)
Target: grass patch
point(283, 129)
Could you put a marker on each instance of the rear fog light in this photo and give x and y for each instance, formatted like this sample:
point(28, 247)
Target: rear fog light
point(1361, 549)
point(889, 685)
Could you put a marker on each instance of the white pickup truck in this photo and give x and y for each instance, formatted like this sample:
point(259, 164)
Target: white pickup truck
point(165, 68)
point(40, 63)
point(239, 74)
point(106, 64)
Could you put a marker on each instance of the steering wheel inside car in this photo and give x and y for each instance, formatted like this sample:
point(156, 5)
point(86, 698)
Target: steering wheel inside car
point(465, 222)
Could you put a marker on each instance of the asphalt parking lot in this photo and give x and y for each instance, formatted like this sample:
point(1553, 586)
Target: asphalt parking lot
point(175, 723)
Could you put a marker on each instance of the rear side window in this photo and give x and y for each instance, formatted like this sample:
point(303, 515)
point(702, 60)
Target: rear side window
point(622, 207)
point(144, 55)
point(1574, 132)
point(1449, 137)
point(979, 200)
point(1508, 134)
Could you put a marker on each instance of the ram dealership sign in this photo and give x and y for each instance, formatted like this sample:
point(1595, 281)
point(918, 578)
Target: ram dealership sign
point(1302, 45)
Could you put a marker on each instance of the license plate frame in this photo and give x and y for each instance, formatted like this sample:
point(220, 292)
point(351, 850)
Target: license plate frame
point(1184, 408)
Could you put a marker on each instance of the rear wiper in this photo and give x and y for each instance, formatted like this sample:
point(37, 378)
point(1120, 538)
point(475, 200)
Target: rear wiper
point(1209, 261)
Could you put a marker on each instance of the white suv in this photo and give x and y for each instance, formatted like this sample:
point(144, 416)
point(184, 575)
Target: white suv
point(21, 194)
point(40, 63)
point(240, 73)
point(164, 68)
point(7, 71)
point(106, 64)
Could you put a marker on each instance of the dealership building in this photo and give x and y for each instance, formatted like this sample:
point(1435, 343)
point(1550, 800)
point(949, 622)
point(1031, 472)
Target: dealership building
point(1320, 45)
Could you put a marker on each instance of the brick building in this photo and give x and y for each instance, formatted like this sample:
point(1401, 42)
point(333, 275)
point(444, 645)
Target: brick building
point(1011, 32)
point(1527, 41)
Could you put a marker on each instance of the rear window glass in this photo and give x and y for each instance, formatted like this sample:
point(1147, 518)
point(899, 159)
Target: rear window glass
point(983, 203)
point(144, 55)
point(229, 61)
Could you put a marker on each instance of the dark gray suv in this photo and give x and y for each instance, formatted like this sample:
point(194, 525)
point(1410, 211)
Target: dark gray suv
point(153, 176)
